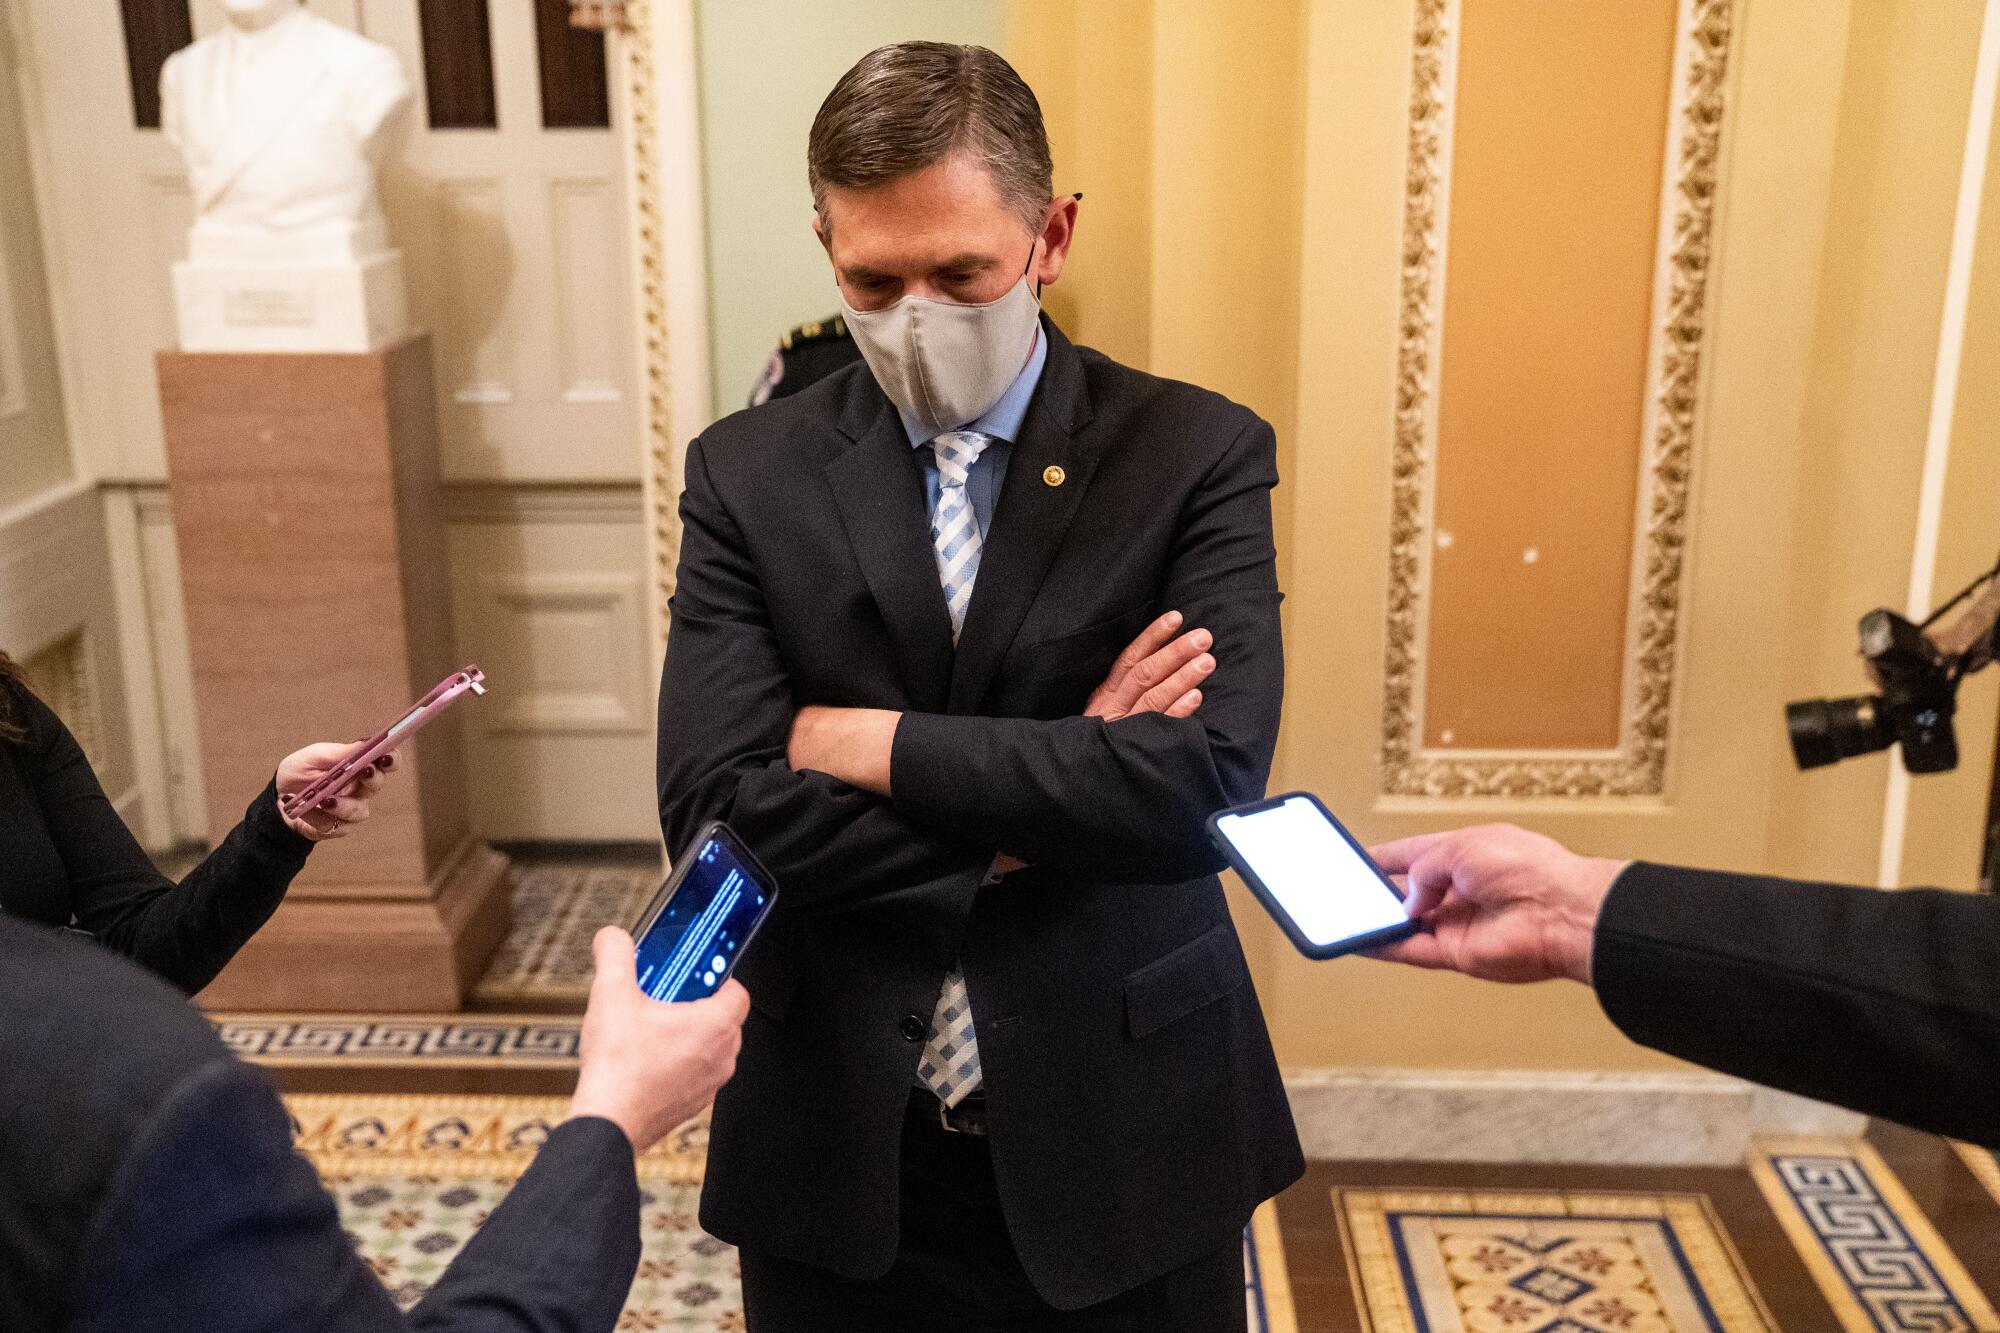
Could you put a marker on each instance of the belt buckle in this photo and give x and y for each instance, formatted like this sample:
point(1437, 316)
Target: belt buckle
point(971, 1125)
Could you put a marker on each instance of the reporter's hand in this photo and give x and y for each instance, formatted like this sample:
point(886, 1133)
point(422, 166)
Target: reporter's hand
point(1969, 637)
point(649, 1066)
point(336, 817)
point(1156, 673)
point(1499, 903)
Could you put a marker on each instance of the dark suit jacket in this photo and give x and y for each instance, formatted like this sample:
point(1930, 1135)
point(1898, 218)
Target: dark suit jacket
point(148, 1182)
point(1136, 1112)
point(1888, 1003)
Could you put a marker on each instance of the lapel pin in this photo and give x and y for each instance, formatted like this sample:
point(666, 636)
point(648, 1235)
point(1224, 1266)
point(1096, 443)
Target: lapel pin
point(1055, 476)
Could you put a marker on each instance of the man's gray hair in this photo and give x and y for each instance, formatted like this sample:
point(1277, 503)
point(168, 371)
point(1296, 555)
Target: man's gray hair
point(909, 106)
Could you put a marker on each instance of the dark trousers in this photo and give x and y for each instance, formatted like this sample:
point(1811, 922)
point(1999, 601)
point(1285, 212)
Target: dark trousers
point(957, 1271)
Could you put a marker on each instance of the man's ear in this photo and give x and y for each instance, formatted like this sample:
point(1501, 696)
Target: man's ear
point(819, 230)
point(1058, 231)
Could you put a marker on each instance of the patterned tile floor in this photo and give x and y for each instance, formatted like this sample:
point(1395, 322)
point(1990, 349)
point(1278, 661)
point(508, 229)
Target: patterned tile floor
point(415, 1176)
point(1893, 1235)
point(561, 899)
point(1898, 1234)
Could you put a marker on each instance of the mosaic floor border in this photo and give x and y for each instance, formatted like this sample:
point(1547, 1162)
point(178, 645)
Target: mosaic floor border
point(1983, 1164)
point(1266, 1275)
point(452, 1041)
point(1427, 1261)
point(401, 1134)
point(1876, 1258)
point(415, 1175)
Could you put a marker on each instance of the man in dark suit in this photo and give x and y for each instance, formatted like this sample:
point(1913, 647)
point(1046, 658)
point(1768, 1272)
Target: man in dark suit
point(1888, 1003)
point(148, 1182)
point(1004, 1067)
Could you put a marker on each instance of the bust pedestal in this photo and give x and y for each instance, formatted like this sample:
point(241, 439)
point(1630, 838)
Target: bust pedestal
point(242, 292)
point(310, 523)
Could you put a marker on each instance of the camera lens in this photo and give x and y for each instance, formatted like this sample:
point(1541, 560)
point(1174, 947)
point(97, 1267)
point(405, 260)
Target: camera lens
point(1825, 731)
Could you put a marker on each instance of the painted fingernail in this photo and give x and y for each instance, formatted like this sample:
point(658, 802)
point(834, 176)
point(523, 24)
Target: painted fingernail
point(386, 761)
point(327, 804)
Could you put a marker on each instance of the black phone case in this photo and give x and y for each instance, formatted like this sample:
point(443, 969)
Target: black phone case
point(666, 891)
point(1354, 944)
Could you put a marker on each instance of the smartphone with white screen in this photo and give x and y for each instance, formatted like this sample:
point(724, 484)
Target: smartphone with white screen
point(1311, 875)
point(702, 919)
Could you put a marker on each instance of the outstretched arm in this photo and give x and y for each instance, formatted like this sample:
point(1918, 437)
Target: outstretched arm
point(1879, 1001)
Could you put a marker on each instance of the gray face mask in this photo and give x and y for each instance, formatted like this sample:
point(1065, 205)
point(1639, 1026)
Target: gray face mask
point(945, 363)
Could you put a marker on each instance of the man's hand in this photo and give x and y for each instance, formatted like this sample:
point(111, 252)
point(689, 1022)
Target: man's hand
point(1499, 903)
point(648, 1066)
point(851, 744)
point(1156, 673)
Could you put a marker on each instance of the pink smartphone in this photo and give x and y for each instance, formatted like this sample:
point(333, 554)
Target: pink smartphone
point(336, 780)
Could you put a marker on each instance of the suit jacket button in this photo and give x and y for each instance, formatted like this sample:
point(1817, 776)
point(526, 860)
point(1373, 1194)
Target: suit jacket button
point(913, 1028)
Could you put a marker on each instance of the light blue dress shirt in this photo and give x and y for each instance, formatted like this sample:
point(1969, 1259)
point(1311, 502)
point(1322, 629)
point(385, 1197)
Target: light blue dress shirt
point(1002, 421)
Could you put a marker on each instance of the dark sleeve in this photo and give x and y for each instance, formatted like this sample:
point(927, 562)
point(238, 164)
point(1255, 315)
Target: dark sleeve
point(726, 713)
point(1128, 800)
point(186, 933)
point(216, 1223)
point(1886, 1002)
point(560, 1252)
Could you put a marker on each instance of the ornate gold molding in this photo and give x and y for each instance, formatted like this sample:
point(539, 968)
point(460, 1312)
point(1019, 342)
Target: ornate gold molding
point(1639, 765)
point(663, 480)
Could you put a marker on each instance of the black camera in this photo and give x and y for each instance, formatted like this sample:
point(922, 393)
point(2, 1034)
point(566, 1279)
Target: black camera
point(1919, 695)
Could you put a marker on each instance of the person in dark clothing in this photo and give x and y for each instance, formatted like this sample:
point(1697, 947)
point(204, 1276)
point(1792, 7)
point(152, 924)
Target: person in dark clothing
point(1886, 1003)
point(148, 1182)
point(70, 860)
point(804, 356)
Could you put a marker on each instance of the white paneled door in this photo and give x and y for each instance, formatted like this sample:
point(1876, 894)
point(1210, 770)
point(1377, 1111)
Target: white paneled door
point(515, 245)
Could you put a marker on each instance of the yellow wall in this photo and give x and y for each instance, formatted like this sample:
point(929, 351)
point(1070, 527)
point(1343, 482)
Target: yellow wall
point(1906, 86)
point(1243, 172)
point(1277, 191)
point(1559, 132)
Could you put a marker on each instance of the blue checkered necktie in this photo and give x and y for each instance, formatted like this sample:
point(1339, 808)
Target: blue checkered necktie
point(950, 1065)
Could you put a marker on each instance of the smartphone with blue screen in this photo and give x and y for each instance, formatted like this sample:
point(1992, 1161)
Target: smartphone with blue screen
point(1311, 875)
point(703, 918)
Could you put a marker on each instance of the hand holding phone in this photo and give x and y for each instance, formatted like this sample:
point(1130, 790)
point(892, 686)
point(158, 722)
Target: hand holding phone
point(336, 781)
point(697, 926)
point(331, 816)
point(1311, 875)
point(648, 1067)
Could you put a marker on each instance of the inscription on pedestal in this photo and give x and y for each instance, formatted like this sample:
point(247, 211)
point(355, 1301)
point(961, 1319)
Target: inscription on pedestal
point(268, 308)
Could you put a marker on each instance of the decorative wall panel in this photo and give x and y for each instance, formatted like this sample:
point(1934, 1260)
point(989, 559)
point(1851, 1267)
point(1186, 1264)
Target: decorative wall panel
point(1629, 758)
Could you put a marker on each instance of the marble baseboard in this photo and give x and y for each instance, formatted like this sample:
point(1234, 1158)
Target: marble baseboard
point(1672, 1119)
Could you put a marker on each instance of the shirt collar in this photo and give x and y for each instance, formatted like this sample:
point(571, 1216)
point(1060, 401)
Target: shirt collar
point(1002, 420)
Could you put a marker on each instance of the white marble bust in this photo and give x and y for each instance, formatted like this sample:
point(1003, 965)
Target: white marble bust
point(278, 116)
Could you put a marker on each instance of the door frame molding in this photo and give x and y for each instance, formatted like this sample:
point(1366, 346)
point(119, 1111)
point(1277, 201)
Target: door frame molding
point(669, 258)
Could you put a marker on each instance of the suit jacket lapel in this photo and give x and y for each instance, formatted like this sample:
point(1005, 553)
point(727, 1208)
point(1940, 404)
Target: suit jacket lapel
point(1029, 520)
point(879, 486)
